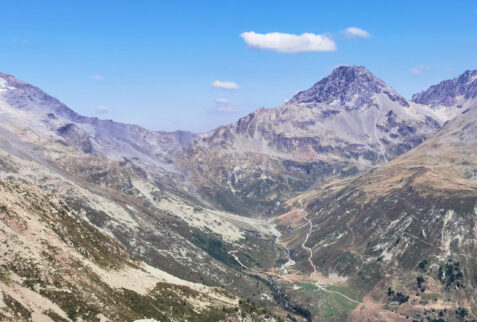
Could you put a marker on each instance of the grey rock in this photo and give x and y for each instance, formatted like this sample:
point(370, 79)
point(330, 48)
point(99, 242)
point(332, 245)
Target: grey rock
point(446, 93)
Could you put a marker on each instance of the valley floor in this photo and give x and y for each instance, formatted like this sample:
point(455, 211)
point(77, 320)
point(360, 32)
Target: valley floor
point(309, 295)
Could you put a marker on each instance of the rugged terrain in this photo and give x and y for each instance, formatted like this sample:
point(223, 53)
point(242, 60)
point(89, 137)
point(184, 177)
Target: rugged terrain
point(56, 266)
point(373, 197)
point(450, 97)
point(398, 241)
point(343, 125)
point(118, 178)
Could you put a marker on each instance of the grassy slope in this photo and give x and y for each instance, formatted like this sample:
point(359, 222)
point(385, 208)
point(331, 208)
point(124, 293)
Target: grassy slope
point(52, 263)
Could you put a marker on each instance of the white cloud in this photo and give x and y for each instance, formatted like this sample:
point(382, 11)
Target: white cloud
point(97, 77)
point(224, 85)
point(288, 43)
point(102, 109)
point(224, 105)
point(356, 32)
point(417, 70)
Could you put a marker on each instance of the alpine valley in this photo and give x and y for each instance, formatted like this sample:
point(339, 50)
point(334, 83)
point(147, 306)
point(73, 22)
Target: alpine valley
point(348, 202)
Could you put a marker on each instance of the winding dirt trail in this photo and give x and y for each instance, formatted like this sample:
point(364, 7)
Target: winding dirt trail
point(318, 284)
point(338, 293)
point(270, 228)
point(323, 288)
point(233, 253)
point(308, 248)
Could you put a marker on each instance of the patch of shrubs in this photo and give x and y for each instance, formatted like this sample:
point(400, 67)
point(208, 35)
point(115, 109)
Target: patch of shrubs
point(422, 266)
point(303, 312)
point(461, 312)
point(432, 315)
point(398, 297)
point(450, 274)
point(419, 281)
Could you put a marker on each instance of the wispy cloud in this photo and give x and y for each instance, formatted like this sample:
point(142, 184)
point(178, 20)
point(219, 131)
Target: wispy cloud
point(223, 105)
point(288, 43)
point(224, 85)
point(97, 77)
point(417, 70)
point(22, 41)
point(354, 32)
point(102, 109)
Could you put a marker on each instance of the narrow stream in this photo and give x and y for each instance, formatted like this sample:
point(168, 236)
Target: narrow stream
point(282, 299)
point(290, 262)
point(280, 296)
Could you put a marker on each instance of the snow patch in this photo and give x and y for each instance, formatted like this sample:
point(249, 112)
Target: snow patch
point(4, 85)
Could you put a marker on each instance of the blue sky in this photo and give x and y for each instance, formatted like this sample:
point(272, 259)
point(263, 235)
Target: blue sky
point(152, 63)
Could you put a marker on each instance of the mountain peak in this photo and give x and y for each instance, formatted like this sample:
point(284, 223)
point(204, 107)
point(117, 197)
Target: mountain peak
point(448, 92)
point(22, 95)
point(353, 72)
point(347, 86)
point(11, 80)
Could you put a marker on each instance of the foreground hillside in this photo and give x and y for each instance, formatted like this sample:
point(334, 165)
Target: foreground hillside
point(56, 266)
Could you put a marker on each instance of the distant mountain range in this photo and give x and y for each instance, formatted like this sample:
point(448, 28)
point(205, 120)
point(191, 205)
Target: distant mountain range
point(373, 195)
point(344, 124)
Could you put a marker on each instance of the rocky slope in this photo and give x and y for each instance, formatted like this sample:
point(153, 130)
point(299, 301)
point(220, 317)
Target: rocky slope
point(400, 238)
point(450, 97)
point(55, 266)
point(345, 124)
point(119, 178)
point(28, 106)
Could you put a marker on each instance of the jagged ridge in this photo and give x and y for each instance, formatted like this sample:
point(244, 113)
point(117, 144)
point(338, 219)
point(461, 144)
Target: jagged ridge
point(447, 92)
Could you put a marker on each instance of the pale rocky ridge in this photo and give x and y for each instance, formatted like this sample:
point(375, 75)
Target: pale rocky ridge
point(48, 117)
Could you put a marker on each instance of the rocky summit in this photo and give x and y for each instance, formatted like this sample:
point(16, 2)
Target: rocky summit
point(348, 202)
point(348, 86)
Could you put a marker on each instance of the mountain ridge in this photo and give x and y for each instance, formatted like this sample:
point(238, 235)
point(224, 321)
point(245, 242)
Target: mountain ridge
point(121, 179)
point(344, 124)
point(340, 126)
point(161, 196)
point(445, 92)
